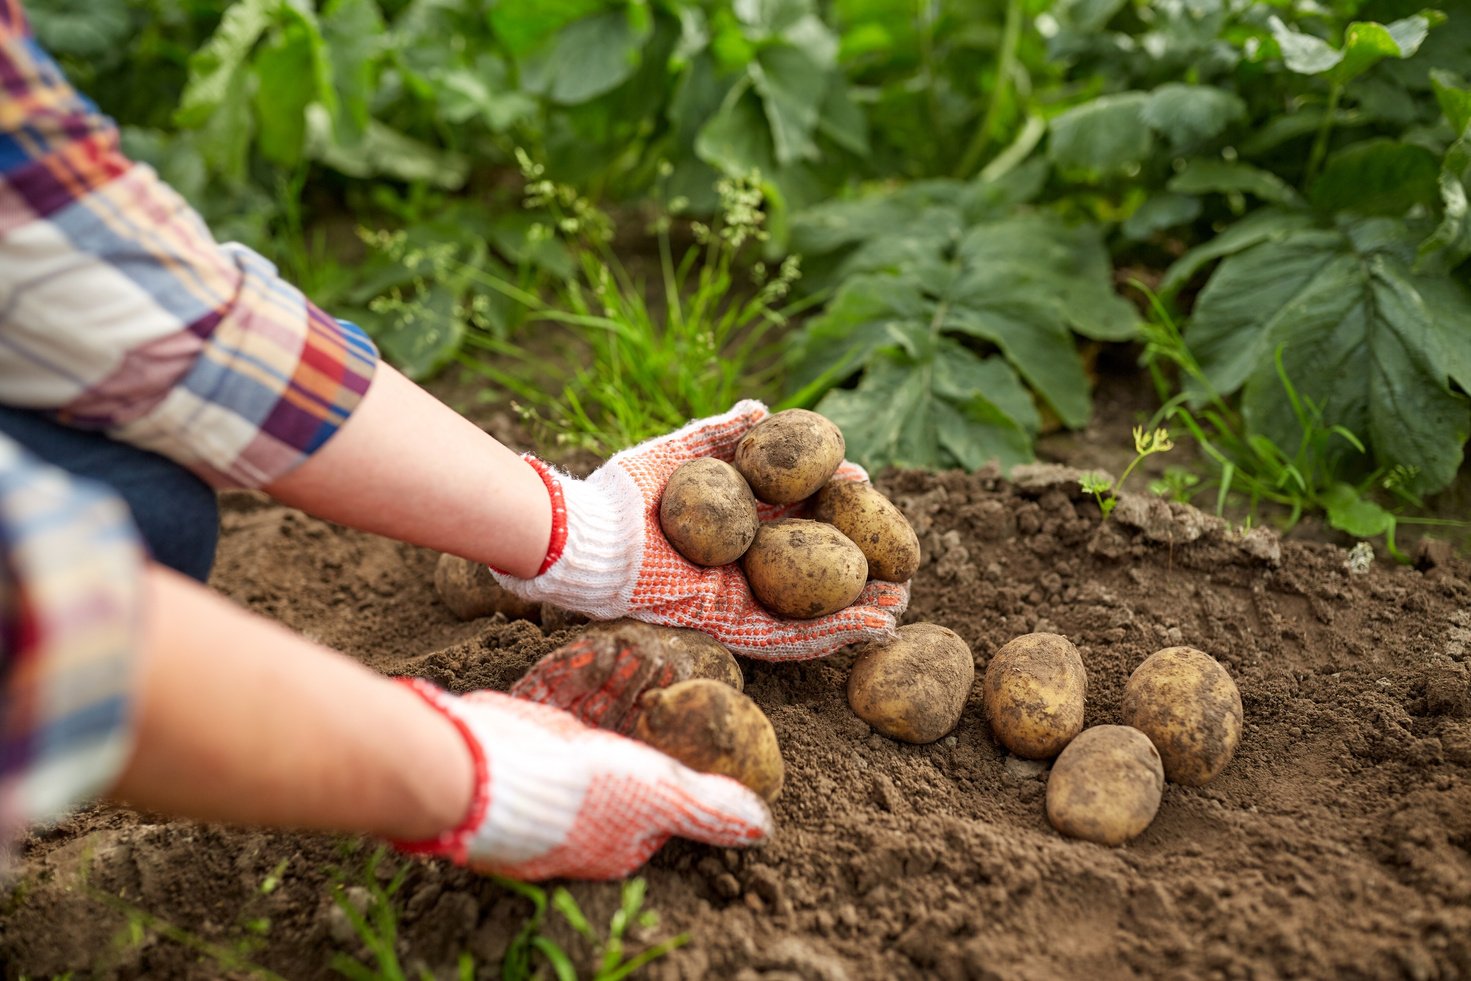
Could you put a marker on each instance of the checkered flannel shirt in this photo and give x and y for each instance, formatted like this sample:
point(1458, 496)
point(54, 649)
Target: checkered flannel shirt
point(119, 312)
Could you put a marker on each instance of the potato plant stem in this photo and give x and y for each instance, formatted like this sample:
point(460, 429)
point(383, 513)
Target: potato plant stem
point(1325, 129)
point(1006, 63)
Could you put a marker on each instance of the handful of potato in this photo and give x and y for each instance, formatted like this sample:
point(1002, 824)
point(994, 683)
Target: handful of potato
point(798, 568)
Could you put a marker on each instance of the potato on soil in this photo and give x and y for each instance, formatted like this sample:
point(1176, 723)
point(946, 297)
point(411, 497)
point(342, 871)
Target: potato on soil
point(1106, 786)
point(1187, 704)
point(874, 523)
point(708, 512)
point(713, 728)
point(470, 592)
point(787, 457)
point(799, 568)
point(601, 674)
point(914, 686)
point(1034, 693)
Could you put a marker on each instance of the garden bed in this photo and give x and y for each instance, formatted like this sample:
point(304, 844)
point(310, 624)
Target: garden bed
point(1337, 842)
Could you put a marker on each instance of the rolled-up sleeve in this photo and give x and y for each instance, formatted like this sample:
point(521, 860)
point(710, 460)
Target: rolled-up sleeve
point(71, 593)
point(119, 311)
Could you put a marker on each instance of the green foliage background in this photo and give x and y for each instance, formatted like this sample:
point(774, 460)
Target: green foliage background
point(961, 178)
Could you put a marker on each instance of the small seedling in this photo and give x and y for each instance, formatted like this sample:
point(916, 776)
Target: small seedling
point(1103, 487)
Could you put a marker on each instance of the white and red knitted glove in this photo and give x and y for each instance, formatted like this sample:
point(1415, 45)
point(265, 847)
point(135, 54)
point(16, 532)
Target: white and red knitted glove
point(555, 798)
point(609, 558)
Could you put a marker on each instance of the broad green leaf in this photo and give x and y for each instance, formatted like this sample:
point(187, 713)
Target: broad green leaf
point(1188, 115)
point(586, 58)
point(792, 89)
point(522, 25)
point(1454, 96)
point(1303, 53)
point(85, 28)
point(736, 140)
point(1361, 338)
point(225, 133)
point(1206, 176)
point(1159, 212)
point(1366, 43)
point(1104, 138)
point(1087, 16)
point(213, 68)
point(770, 17)
point(1353, 515)
point(907, 414)
point(1450, 244)
point(353, 32)
point(386, 152)
point(1265, 225)
point(1377, 177)
point(284, 71)
point(483, 93)
point(841, 121)
point(1294, 126)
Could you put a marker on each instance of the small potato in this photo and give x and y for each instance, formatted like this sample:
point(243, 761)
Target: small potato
point(800, 569)
point(787, 457)
point(914, 686)
point(1034, 693)
point(471, 592)
point(713, 728)
point(1187, 704)
point(1106, 786)
point(874, 523)
point(708, 512)
point(601, 674)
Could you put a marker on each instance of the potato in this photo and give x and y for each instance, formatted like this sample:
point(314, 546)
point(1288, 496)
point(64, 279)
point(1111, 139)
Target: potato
point(708, 512)
point(602, 673)
point(1187, 704)
point(471, 592)
point(876, 526)
point(1034, 693)
point(914, 686)
point(787, 457)
point(800, 569)
point(1106, 786)
point(713, 728)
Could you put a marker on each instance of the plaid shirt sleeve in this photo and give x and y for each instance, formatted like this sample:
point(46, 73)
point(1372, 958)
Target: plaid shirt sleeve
point(70, 594)
point(119, 311)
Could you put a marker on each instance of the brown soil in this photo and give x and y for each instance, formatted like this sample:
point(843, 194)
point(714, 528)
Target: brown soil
point(1337, 843)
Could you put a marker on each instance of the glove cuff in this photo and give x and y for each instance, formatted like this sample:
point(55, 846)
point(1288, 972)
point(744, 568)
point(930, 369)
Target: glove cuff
point(596, 546)
point(453, 842)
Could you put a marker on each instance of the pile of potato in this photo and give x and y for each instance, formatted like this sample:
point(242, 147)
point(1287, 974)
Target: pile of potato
point(1182, 720)
point(680, 691)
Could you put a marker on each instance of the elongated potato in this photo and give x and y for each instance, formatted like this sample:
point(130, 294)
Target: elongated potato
point(799, 568)
point(1106, 785)
point(914, 686)
point(707, 512)
point(874, 523)
point(1187, 704)
point(1034, 694)
point(787, 457)
point(471, 592)
point(711, 727)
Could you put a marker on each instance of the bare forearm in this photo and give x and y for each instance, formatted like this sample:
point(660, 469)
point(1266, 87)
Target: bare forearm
point(240, 720)
point(409, 467)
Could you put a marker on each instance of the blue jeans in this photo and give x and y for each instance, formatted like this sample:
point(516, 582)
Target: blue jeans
point(176, 512)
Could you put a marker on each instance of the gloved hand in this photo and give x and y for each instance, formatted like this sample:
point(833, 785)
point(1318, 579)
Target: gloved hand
point(556, 798)
point(609, 558)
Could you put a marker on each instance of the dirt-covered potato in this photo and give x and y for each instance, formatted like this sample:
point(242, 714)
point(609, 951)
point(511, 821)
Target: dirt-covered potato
point(787, 457)
point(1187, 704)
point(711, 727)
point(914, 686)
point(708, 512)
point(799, 568)
point(1106, 785)
point(470, 592)
point(874, 523)
point(1034, 692)
point(601, 674)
